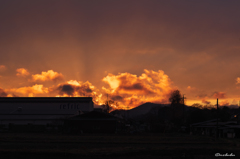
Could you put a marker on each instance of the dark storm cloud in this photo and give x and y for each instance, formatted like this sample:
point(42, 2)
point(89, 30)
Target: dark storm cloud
point(134, 87)
point(70, 90)
point(66, 89)
point(84, 90)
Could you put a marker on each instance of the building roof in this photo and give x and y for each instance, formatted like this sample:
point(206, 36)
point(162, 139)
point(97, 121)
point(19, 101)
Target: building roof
point(19, 107)
point(44, 99)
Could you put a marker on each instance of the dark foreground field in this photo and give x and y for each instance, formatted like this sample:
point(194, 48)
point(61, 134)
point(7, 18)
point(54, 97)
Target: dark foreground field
point(150, 146)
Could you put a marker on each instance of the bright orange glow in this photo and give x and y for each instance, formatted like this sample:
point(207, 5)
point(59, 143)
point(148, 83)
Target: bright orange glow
point(112, 81)
point(125, 89)
point(129, 90)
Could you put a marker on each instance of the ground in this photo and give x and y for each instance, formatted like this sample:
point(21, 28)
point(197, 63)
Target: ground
point(150, 146)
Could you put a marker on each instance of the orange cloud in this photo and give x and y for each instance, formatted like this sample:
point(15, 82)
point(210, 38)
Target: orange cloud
point(22, 72)
point(224, 103)
point(131, 90)
point(219, 95)
point(238, 80)
point(30, 91)
point(2, 68)
point(50, 75)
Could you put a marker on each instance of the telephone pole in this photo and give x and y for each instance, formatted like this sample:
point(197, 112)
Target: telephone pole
point(183, 99)
point(217, 118)
point(183, 109)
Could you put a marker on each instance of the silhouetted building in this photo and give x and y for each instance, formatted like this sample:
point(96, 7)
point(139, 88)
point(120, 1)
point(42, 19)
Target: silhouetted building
point(47, 111)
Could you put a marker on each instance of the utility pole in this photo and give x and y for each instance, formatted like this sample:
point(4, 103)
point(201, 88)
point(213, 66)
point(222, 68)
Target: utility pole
point(217, 118)
point(183, 109)
point(183, 99)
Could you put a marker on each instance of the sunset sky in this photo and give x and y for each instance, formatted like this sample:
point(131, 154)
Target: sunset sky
point(136, 51)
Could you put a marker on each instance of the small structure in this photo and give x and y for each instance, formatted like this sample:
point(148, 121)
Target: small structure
point(92, 122)
point(229, 129)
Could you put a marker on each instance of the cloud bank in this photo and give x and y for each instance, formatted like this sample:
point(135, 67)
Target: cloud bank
point(126, 89)
point(131, 90)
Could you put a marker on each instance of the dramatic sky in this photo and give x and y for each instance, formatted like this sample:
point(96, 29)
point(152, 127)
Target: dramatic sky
point(134, 50)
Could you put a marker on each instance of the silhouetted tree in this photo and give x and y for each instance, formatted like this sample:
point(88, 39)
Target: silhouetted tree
point(109, 104)
point(177, 108)
point(106, 107)
point(176, 98)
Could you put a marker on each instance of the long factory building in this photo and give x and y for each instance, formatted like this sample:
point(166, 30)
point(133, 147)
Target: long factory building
point(41, 110)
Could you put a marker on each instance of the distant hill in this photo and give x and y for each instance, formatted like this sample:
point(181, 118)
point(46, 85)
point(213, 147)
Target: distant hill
point(140, 110)
point(143, 109)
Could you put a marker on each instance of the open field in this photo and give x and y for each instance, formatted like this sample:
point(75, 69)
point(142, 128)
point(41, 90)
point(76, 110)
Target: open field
point(153, 146)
